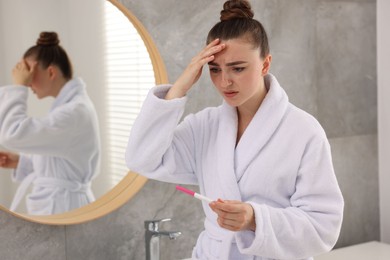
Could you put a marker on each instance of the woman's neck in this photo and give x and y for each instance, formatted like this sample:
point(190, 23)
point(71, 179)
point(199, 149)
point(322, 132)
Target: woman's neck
point(58, 85)
point(247, 111)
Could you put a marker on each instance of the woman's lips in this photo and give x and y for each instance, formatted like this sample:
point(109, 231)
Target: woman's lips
point(230, 94)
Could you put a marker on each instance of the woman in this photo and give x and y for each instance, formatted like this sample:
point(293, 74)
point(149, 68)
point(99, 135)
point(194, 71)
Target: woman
point(60, 152)
point(266, 162)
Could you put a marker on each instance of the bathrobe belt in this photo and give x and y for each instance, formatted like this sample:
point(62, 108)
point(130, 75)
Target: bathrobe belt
point(47, 182)
point(225, 236)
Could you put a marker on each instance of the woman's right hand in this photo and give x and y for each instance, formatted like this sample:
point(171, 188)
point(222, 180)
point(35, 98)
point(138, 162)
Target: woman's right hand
point(193, 71)
point(23, 74)
point(9, 160)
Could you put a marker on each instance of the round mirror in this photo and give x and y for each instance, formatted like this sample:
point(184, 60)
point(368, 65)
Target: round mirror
point(116, 58)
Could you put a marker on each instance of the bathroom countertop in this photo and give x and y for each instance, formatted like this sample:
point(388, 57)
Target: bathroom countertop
point(371, 250)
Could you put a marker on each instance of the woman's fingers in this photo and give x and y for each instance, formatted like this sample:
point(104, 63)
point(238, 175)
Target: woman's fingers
point(9, 160)
point(232, 221)
point(234, 215)
point(3, 159)
point(207, 54)
point(213, 46)
point(22, 66)
point(230, 225)
point(23, 73)
point(194, 70)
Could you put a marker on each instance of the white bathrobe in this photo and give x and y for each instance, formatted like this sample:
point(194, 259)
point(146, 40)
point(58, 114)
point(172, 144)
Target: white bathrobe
point(282, 166)
point(60, 153)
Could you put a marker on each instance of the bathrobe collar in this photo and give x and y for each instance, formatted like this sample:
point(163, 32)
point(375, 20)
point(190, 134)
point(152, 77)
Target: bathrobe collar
point(225, 144)
point(68, 91)
point(233, 161)
point(263, 125)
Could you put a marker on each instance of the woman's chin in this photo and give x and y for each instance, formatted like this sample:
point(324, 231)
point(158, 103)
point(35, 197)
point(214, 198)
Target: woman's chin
point(231, 102)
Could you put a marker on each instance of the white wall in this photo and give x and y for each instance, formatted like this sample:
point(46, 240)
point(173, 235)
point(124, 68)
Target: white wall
point(78, 24)
point(2, 22)
point(383, 49)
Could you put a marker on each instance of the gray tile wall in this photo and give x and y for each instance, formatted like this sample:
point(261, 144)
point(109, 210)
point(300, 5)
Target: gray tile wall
point(324, 54)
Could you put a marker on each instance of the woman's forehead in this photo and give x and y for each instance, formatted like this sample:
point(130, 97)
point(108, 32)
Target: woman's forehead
point(237, 50)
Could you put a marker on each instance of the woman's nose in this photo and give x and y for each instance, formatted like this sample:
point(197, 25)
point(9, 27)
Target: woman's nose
point(226, 81)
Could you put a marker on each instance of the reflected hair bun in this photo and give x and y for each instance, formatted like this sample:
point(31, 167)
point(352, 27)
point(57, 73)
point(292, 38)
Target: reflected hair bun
point(48, 39)
point(236, 9)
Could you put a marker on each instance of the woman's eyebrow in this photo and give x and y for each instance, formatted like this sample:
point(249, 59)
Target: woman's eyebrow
point(234, 63)
point(212, 63)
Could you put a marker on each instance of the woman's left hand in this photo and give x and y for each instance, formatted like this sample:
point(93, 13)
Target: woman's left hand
point(22, 74)
point(9, 160)
point(234, 215)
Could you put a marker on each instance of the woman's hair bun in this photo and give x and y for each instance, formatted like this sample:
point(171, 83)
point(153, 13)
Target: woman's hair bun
point(236, 9)
point(48, 39)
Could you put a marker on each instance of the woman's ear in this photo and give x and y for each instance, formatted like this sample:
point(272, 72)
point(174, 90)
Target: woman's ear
point(52, 71)
point(266, 65)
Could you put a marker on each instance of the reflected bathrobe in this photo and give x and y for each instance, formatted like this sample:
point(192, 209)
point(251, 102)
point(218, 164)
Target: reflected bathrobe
point(60, 153)
point(282, 166)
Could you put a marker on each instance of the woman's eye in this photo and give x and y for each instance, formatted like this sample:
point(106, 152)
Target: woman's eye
point(238, 69)
point(214, 70)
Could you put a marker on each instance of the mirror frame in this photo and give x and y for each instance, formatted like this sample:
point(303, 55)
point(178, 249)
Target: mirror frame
point(132, 182)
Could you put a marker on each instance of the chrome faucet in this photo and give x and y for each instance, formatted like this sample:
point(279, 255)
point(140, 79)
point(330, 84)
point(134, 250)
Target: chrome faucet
point(152, 237)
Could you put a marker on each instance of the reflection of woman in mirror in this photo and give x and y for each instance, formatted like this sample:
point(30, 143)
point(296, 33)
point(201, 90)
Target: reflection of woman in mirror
point(59, 153)
point(268, 161)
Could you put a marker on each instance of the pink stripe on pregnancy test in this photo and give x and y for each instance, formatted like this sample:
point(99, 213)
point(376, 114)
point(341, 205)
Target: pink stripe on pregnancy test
point(194, 194)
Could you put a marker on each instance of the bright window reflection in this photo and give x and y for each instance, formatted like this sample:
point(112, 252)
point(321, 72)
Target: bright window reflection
point(129, 77)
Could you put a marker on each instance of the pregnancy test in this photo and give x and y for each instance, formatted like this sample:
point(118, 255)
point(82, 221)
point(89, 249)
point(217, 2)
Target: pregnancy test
point(193, 194)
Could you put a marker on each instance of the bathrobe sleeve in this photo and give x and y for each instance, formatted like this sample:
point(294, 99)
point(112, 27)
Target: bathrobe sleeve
point(24, 168)
point(158, 147)
point(312, 223)
point(30, 135)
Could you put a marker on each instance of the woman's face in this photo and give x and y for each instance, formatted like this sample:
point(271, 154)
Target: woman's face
point(237, 72)
point(41, 80)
